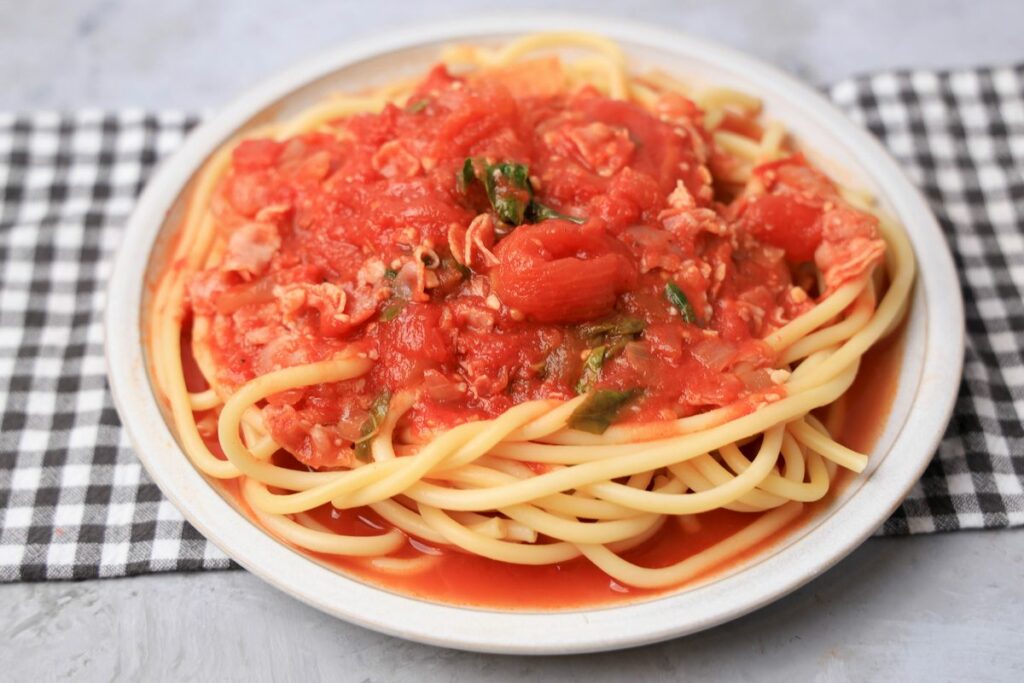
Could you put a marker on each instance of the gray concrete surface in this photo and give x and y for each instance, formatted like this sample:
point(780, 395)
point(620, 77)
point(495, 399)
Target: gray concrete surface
point(937, 608)
point(194, 53)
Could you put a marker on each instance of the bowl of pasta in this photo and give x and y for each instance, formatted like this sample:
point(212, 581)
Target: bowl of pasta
point(533, 334)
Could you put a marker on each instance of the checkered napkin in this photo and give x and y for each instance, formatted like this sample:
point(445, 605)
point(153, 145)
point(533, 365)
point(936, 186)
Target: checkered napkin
point(75, 503)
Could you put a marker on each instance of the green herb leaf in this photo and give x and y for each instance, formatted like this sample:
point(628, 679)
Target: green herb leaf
point(591, 369)
point(509, 210)
point(508, 187)
point(465, 176)
point(537, 212)
point(391, 273)
point(600, 409)
point(614, 334)
point(617, 327)
point(417, 106)
point(677, 298)
point(517, 175)
point(378, 410)
point(509, 191)
point(615, 346)
point(391, 311)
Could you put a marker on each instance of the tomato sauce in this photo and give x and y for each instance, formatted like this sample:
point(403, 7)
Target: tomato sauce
point(490, 246)
point(867, 403)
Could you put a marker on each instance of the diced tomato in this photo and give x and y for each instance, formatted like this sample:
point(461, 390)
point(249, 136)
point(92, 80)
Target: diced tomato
point(794, 175)
point(785, 222)
point(255, 154)
point(557, 271)
point(412, 342)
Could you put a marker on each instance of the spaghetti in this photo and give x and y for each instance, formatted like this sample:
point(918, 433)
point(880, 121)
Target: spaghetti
point(572, 305)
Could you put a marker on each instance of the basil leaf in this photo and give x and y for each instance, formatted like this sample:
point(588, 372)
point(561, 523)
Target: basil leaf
point(600, 409)
point(617, 327)
point(518, 175)
point(591, 369)
point(509, 209)
point(378, 410)
point(391, 311)
point(508, 187)
point(465, 176)
point(509, 191)
point(615, 346)
point(677, 298)
point(613, 334)
point(538, 212)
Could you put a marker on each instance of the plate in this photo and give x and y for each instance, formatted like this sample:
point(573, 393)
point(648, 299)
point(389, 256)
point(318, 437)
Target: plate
point(928, 379)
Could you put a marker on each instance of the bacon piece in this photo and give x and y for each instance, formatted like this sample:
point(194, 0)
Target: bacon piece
point(686, 224)
point(471, 246)
point(850, 246)
point(653, 248)
point(204, 288)
point(316, 445)
point(484, 381)
point(599, 147)
point(325, 297)
point(251, 247)
point(472, 315)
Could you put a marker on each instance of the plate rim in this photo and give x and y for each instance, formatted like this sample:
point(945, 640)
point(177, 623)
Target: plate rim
point(582, 630)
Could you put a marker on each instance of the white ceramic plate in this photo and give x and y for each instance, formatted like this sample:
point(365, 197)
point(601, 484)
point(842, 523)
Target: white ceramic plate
point(927, 385)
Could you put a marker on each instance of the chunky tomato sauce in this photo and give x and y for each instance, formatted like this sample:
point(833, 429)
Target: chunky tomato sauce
point(490, 244)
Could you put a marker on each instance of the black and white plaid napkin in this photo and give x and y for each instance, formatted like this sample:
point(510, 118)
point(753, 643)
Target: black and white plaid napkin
point(75, 502)
point(960, 137)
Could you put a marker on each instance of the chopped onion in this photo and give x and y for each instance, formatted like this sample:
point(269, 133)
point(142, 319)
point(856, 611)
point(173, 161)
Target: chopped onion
point(714, 354)
point(438, 387)
point(756, 380)
point(350, 424)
